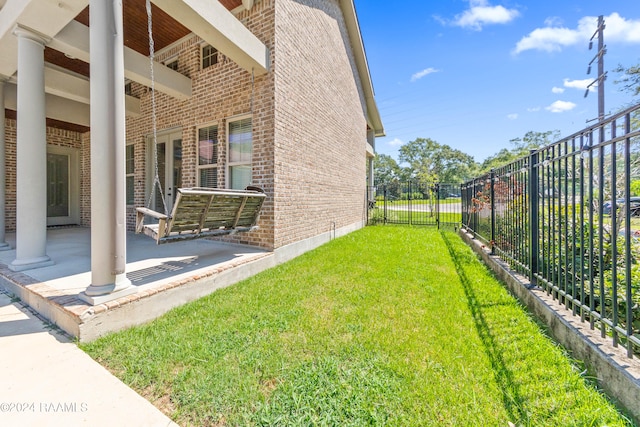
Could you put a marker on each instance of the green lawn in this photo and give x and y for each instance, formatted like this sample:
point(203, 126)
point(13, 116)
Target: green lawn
point(386, 326)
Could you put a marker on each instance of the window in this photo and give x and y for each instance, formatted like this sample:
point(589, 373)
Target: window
point(240, 152)
point(208, 157)
point(127, 89)
point(209, 56)
point(129, 173)
point(173, 64)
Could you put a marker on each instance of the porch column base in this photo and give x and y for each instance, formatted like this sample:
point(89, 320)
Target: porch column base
point(4, 246)
point(99, 294)
point(30, 263)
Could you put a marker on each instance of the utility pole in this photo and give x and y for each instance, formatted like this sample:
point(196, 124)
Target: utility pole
point(602, 49)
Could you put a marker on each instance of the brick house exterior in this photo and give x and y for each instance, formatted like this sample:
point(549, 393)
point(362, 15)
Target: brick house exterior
point(312, 121)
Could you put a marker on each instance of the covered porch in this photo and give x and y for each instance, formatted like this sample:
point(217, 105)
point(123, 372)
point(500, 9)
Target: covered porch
point(163, 276)
point(49, 50)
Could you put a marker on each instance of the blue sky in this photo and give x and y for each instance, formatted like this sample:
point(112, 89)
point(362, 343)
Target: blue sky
point(474, 74)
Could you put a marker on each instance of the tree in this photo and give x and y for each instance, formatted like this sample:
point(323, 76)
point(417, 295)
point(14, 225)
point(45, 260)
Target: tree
point(630, 79)
point(432, 162)
point(630, 82)
point(520, 148)
point(385, 169)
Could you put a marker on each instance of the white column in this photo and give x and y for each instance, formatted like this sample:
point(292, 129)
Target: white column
point(108, 188)
point(31, 155)
point(3, 170)
point(371, 173)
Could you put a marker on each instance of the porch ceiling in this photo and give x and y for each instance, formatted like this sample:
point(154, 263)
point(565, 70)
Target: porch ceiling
point(66, 26)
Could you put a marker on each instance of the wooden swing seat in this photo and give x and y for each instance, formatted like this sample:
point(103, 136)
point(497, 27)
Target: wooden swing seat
point(204, 212)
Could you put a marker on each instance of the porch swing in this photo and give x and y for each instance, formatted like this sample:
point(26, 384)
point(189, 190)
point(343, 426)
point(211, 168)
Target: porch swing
point(197, 212)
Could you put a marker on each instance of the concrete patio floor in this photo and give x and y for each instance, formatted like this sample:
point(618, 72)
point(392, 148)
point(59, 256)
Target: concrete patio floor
point(166, 276)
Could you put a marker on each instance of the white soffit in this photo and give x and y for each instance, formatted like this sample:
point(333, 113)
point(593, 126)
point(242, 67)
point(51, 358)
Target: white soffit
point(45, 17)
point(73, 40)
point(56, 108)
point(213, 23)
point(76, 88)
point(373, 115)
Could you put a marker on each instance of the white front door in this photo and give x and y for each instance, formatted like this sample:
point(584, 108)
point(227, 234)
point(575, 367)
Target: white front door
point(63, 186)
point(169, 155)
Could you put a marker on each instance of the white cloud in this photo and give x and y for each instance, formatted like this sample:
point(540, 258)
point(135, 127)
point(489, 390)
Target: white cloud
point(554, 37)
point(513, 116)
point(549, 39)
point(533, 109)
point(553, 21)
point(560, 106)
point(580, 84)
point(439, 19)
point(622, 30)
point(395, 142)
point(557, 90)
point(480, 13)
point(420, 74)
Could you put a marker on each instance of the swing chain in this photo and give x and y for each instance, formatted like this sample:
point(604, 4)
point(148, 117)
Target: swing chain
point(156, 178)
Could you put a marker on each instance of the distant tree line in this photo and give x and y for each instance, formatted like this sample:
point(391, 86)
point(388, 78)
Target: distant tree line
point(427, 161)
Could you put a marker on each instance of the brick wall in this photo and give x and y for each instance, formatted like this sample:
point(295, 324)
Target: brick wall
point(220, 93)
point(320, 129)
point(10, 174)
point(55, 137)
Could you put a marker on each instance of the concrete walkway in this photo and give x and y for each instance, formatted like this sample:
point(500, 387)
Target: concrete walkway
point(46, 380)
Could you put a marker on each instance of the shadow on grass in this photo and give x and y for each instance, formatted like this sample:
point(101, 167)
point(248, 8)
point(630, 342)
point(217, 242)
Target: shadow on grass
point(511, 396)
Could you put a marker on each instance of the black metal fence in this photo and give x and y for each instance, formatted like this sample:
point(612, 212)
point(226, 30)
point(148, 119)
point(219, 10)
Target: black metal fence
point(415, 203)
point(567, 217)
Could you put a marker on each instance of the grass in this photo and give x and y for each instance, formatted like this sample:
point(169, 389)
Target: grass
point(386, 326)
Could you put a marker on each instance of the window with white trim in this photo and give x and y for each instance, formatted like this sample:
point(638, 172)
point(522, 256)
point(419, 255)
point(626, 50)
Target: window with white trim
point(129, 172)
point(240, 149)
point(208, 156)
point(209, 56)
point(172, 64)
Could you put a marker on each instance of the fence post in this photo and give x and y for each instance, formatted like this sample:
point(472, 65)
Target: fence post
point(463, 204)
point(475, 215)
point(437, 187)
point(409, 190)
point(533, 216)
point(384, 195)
point(492, 195)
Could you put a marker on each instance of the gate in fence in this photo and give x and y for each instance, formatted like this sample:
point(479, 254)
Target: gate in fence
point(415, 203)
